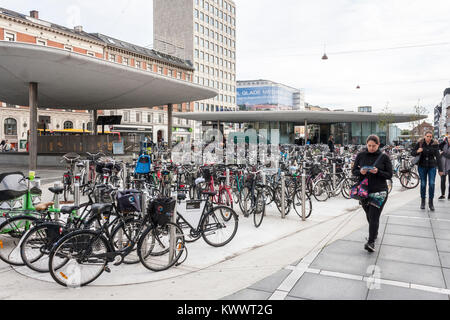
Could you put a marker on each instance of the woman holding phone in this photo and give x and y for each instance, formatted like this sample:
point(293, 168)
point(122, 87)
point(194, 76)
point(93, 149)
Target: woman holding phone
point(430, 158)
point(377, 167)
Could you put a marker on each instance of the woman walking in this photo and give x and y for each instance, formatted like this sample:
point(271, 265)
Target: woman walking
point(428, 149)
point(377, 167)
point(445, 158)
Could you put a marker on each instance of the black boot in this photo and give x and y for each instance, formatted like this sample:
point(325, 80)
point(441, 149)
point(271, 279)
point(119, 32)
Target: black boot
point(422, 205)
point(430, 204)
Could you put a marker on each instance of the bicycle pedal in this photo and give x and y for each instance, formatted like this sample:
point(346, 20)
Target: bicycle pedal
point(107, 269)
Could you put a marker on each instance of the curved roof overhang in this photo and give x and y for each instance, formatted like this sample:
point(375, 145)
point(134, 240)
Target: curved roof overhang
point(68, 80)
point(313, 117)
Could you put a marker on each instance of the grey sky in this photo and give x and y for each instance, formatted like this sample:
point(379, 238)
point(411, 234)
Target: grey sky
point(284, 41)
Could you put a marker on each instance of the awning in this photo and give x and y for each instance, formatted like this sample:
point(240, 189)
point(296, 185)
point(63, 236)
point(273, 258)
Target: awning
point(75, 81)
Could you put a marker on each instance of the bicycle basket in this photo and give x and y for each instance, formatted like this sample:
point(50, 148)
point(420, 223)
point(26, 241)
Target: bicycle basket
point(129, 201)
point(161, 210)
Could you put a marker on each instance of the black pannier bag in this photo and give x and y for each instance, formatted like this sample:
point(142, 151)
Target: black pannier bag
point(129, 201)
point(107, 165)
point(161, 210)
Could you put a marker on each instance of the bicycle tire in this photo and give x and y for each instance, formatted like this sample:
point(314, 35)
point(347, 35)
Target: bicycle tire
point(406, 177)
point(225, 198)
point(11, 233)
point(260, 208)
point(320, 191)
point(244, 203)
point(36, 246)
point(119, 240)
point(211, 225)
point(156, 256)
point(298, 205)
point(80, 247)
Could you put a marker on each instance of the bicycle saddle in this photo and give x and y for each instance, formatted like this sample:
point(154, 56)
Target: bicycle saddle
point(56, 190)
point(69, 209)
point(43, 206)
point(210, 193)
point(181, 196)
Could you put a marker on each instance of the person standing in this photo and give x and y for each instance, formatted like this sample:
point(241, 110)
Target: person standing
point(377, 167)
point(331, 144)
point(428, 149)
point(445, 158)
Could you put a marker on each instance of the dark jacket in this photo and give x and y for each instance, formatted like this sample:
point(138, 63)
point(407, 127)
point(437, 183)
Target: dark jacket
point(377, 182)
point(430, 156)
point(331, 145)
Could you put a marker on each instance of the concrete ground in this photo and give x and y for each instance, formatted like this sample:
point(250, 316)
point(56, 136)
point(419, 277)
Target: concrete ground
point(412, 262)
point(259, 263)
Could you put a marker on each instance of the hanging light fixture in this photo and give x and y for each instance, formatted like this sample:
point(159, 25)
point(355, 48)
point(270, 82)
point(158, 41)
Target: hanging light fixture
point(324, 57)
point(358, 87)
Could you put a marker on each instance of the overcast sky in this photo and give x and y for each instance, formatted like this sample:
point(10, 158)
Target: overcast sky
point(397, 51)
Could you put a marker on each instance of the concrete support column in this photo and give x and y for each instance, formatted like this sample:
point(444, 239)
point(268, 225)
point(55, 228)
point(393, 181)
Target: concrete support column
point(169, 125)
point(32, 142)
point(94, 122)
point(306, 131)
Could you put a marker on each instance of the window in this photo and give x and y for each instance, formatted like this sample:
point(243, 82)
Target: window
point(126, 116)
point(126, 61)
point(138, 117)
point(149, 117)
point(112, 57)
point(89, 126)
point(160, 70)
point(91, 54)
point(9, 36)
point(149, 67)
point(68, 125)
point(160, 118)
point(179, 75)
point(41, 42)
point(10, 127)
point(138, 64)
point(68, 48)
point(196, 27)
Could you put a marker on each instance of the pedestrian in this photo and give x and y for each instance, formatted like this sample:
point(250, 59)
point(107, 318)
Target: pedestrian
point(428, 149)
point(377, 167)
point(2, 145)
point(331, 144)
point(445, 158)
point(7, 146)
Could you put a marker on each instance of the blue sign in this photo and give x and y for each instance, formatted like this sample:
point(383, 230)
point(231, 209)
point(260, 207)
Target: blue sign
point(118, 148)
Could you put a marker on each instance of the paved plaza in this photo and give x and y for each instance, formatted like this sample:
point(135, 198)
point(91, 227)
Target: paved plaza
point(412, 262)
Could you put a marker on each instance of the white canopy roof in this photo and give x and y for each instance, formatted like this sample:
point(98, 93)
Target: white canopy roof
point(75, 81)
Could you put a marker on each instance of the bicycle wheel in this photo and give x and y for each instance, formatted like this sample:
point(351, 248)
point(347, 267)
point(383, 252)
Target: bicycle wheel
point(189, 234)
point(124, 235)
point(347, 187)
point(244, 202)
point(268, 195)
point(78, 258)
point(298, 205)
point(37, 244)
point(409, 180)
point(154, 247)
point(320, 190)
point(287, 202)
point(11, 232)
point(225, 198)
point(260, 208)
point(217, 228)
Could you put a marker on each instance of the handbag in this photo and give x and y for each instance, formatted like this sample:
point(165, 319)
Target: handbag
point(416, 159)
point(360, 191)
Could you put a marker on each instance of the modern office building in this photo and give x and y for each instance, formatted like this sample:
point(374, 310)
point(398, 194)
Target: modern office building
point(437, 120)
point(444, 123)
point(266, 95)
point(204, 32)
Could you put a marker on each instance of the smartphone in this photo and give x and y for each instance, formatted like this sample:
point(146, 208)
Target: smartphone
point(368, 168)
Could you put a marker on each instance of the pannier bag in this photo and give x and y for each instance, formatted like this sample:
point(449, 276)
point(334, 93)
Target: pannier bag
point(161, 210)
point(143, 165)
point(129, 201)
point(107, 165)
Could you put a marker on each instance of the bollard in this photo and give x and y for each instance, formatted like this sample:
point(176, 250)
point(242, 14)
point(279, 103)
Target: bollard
point(76, 194)
point(283, 190)
point(263, 177)
point(172, 243)
point(56, 204)
point(304, 195)
point(228, 177)
point(334, 176)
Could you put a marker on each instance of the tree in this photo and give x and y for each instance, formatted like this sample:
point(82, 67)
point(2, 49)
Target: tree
point(417, 118)
point(385, 120)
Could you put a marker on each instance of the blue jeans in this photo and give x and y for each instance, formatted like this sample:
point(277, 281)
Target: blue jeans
point(425, 173)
